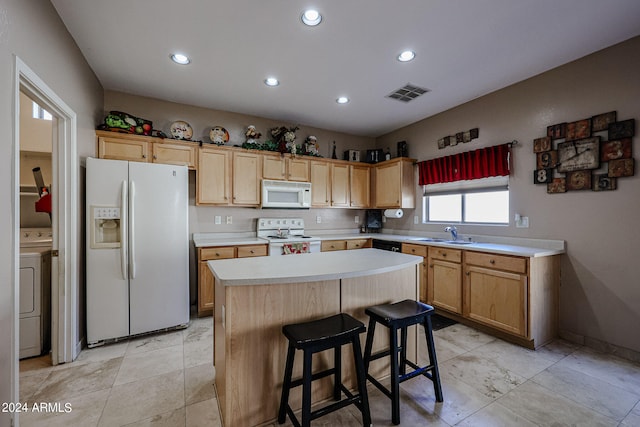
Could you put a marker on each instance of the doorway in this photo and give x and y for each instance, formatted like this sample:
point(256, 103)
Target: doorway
point(65, 344)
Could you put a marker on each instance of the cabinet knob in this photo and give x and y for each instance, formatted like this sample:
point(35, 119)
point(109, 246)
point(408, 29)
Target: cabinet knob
point(251, 251)
point(413, 250)
point(444, 254)
point(430, 265)
point(217, 254)
point(144, 156)
point(468, 273)
point(155, 157)
point(492, 261)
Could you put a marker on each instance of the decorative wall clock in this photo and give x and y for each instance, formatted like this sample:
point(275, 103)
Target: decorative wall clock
point(587, 154)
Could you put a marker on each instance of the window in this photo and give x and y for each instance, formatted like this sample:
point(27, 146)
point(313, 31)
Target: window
point(480, 201)
point(41, 113)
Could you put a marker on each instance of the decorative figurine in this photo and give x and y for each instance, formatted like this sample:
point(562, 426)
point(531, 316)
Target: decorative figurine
point(311, 145)
point(252, 134)
point(333, 154)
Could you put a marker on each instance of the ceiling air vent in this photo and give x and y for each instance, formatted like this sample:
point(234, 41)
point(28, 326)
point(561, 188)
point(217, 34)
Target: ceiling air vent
point(407, 93)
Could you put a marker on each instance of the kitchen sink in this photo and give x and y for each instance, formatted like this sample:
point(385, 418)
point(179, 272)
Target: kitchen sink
point(430, 239)
point(458, 242)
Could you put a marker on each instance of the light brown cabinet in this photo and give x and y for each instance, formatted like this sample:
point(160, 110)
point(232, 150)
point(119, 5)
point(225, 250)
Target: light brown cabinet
point(495, 289)
point(360, 186)
point(206, 281)
point(247, 170)
point(344, 244)
point(213, 181)
point(320, 174)
point(419, 250)
point(285, 168)
point(340, 194)
point(394, 184)
point(444, 278)
point(137, 148)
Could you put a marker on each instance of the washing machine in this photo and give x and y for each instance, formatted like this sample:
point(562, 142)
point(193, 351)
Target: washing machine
point(35, 291)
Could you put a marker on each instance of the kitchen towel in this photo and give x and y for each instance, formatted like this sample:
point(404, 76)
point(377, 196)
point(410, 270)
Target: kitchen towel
point(393, 213)
point(295, 248)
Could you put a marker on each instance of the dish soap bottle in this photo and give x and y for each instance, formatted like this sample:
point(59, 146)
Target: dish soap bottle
point(387, 155)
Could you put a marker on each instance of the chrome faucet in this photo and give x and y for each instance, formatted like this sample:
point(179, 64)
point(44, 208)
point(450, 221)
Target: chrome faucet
point(454, 232)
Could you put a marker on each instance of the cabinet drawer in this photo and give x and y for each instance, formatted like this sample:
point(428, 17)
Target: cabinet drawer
point(252, 250)
point(222, 252)
point(333, 245)
point(358, 244)
point(453, 255)
point(500, 262)
point(420, 250)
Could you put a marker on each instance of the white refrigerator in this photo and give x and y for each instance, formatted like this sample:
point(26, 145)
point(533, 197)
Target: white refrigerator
point(137, 248)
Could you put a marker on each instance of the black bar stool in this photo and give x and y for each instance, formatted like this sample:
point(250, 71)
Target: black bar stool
point(315, 336)
point(396, 316)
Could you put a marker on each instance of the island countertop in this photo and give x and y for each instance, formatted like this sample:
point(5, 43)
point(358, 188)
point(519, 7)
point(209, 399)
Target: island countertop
point(298, 268)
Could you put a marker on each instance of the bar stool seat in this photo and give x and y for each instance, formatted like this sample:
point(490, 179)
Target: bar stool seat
point(401, 315)
point(315, 336)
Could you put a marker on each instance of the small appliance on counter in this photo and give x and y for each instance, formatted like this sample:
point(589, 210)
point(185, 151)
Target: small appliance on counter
point(373, 221)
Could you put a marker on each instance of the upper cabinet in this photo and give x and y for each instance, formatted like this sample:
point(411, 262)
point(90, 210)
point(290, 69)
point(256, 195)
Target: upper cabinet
point(136, 148)
point(275, 166)
point(360, 186)
point(320, 173)
point(247, 170)
point(394, 184)
point(340, 194)
point(213, 180)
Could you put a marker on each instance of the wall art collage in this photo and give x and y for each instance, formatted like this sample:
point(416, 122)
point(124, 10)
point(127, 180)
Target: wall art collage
point(588, 154)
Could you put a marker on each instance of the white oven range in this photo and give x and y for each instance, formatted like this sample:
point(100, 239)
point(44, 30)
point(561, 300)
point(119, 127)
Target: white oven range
point(286, 235)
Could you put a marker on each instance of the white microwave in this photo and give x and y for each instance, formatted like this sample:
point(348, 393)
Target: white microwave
point(286, 194)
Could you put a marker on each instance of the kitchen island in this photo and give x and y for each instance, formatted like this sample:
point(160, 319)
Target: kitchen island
point(255, 297)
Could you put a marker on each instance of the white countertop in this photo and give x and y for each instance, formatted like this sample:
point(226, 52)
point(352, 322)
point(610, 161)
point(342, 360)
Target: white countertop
point(300, 268)
point(498, 245)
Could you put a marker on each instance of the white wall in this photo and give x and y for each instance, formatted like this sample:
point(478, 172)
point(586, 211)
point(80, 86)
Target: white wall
point(600, 295)
point(32, 30)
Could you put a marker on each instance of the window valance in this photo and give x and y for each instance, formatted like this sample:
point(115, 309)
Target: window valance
point(481, 163)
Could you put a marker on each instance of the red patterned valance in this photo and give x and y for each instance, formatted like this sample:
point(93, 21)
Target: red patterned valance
point(481, 163)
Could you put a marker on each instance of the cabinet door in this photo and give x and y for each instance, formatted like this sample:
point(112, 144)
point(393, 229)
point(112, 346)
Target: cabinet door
point(298, 169)
point(445, 285)
point(360, 186)
point(320, 184)
point(273, 167)
point(174, 154)
point(205, 290)
point(339, 185)
point(213, 176)
point(496, 298)
point(247, 170)
point(123, 149)
point(419, 250)
point(358, 243)
point(252, 250)
point(388, 186)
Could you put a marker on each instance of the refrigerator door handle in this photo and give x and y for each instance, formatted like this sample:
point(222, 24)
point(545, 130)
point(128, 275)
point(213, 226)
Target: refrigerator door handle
point(123, 231)
point(132, 253)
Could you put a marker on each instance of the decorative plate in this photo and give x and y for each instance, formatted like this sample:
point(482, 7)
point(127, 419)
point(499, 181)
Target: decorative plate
point(219, 135)
point(181, 130)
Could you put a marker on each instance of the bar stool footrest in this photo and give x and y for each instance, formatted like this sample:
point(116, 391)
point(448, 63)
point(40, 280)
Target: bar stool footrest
point(298, 382)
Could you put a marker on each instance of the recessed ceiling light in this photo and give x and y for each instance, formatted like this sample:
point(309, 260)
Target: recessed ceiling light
point(342, 100)
point(179, 58)
point(271, 81)
point(406, 56)
point(311, 17)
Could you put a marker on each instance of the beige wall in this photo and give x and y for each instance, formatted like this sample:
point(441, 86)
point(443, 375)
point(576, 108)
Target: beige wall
point(31, 30)
point(600, 296)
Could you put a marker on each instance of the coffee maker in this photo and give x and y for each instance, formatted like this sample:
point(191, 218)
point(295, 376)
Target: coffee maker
point(373, 221)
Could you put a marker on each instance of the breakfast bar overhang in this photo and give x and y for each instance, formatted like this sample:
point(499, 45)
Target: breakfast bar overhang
point(255, 297)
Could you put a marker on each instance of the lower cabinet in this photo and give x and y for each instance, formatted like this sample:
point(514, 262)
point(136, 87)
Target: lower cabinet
point(341, 245)
point(206, 281)
point(419, 250)
point(496, 291)
point(445, 279)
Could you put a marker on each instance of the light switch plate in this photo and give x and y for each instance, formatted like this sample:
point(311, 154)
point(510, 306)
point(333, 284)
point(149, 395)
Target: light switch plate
point(356, 219)
point(523, 222)
point(229, 219)
point(416, 219)
point(318, 219)
point(218, 220)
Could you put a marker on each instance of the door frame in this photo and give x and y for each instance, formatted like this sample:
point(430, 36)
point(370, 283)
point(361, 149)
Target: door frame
point(64, 268)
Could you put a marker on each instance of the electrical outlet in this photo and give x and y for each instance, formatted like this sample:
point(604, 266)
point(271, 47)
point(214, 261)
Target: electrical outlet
point(356, 219)
point(318, 219)
point(218, 220)
point(522, 222)
point(229, 219)
point(416, 219)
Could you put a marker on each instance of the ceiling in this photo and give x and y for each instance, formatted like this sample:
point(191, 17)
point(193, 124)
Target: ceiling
point(464, 49)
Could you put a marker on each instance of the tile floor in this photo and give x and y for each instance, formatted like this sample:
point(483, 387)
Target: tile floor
point(167, 380)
